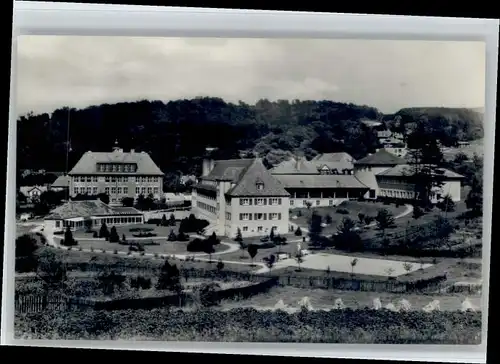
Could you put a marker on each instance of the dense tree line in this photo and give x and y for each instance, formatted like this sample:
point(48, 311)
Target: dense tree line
point(176, 133)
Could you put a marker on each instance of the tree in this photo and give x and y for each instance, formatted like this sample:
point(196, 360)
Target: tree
point(252, 251)
point(109, 281)
point(328, 219)
point(103, 231)
point(361, 218)
point(171, 221)
point(407, 267)
point(26, 261)
point(298, 231)
point(68, 238)
point(208, 248)
point(163, 220)
point(347, 238)
point(128, 201)
point(270, 261)
point(315, 228)
point(220, 265)
point(353, 264)
point(384, 220)
point(447, 204)
point(113, 235)
point(418, 212)
point(169, 278)
point(239, 236)
point(213, 240)
point(369, 219)
point(104, 197)
point(474, 200)
point(172, 236)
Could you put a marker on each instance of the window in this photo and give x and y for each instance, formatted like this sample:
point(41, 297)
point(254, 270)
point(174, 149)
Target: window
point(245, 217)
point(156, 190)
point(125, 168)
point(94, 190)
point(260, 201)
point(89, 190)
point(291, 202)
point(259, 228)
point(75, 190)
point(106, 190)
point(245, 201)
point(113, 179)
point(259, 216)
point(330, 202)
point(273, 216)
point(245, 228)
point(318, 202)
point(260, 186)
point(137, 190)
point(107, 179)
point(89, 178)
point(275, 201)
point(150, 190)
point(143, 190)
point(228, 216)
point(118, 190)
point(113, 190)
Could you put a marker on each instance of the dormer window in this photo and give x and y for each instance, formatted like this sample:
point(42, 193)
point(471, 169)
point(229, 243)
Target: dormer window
point(260, 186)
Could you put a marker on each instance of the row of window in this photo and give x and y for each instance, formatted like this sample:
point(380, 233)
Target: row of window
point(117, 167)
point(98, 221)
point(260, 201)
point(260, 216)
point(208, 197)
point(141, 179)
point(206, 207)
point(398, 193)
point(115, 190)
point(260, 229)
point(306, 202)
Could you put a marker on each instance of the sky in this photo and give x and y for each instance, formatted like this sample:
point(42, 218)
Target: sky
point(75, 71)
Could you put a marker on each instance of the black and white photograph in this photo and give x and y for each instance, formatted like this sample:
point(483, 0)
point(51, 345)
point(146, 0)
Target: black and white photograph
point(250, 190)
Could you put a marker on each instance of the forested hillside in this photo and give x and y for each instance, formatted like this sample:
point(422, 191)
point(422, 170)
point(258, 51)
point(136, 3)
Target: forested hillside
point(176, 133)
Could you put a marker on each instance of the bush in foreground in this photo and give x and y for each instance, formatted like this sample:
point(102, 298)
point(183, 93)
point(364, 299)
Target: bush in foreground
point(341, 326)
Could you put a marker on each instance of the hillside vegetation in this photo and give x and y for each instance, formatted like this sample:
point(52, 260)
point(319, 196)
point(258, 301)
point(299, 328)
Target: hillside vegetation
point(176, 133)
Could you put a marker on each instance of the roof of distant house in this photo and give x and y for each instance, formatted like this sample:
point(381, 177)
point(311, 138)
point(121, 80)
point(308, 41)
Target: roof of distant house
point(61, 181)
point(320, 181)
point(246, 175)
point(87, 208)
point(381, 158)
point(339, 161)
point(407, 170)
point(295, 166)
point(27, 189)
point(88, 162)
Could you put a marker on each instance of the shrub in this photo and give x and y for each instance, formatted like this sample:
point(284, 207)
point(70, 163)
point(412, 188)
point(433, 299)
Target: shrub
point(95, 235)
point(113, 235)
point(140, 282)
point(115, 251)
point(298, 231)
point(172, 236)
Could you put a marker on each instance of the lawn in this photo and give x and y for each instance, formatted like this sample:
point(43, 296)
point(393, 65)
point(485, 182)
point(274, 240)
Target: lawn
point(302, 216)
point(75, 256)
point(160, 231)
point(325, 299)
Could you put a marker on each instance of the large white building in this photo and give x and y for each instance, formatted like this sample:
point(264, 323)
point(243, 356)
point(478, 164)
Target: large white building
point(324, 181)
point(118, 174)
point(241, 194)
point(389, 176)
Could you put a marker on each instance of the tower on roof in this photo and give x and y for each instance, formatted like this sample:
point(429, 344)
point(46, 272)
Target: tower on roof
point(116, 147)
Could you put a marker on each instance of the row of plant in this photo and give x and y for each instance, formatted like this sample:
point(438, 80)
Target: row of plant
point(241, 325)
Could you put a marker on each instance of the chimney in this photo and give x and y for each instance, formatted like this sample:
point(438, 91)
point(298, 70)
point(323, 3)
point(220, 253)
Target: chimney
point(132, 150)
point(208, 162)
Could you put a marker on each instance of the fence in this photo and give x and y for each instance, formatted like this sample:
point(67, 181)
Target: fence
point(39, 303)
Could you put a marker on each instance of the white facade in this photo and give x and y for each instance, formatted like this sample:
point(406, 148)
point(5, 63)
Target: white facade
point(254, 216)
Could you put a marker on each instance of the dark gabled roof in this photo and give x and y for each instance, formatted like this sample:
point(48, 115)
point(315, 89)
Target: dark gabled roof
point(89, 160)
point(228, 170)
point(251, 176)
point(61, 181)
point(295, 166)
point(334, 157)
point(320, 181)
point(403, 170)
point(381, 158)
